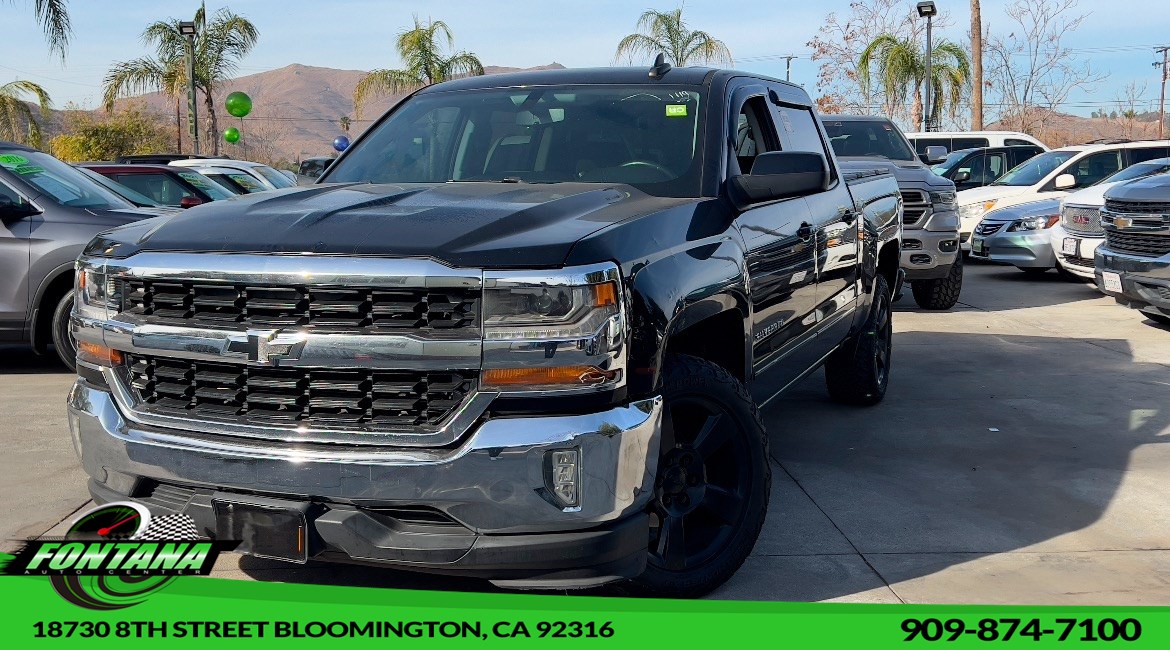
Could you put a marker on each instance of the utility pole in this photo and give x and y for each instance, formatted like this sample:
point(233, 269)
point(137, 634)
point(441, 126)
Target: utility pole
point(976, 66)
point(788, 66)
point(188, 29)
point(1162, 100)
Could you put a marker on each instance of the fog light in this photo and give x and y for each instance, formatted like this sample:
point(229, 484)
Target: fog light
point(948, 246)
point(920, 259)
point(564, 473)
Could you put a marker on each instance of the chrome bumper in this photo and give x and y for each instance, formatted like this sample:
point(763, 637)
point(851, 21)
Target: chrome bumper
point(493, 482)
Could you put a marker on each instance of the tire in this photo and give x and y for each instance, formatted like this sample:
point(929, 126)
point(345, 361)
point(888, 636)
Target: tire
point(704, 523)
point(62, 334)
point(1033, 271)
point(859, 371)
point(940, 293)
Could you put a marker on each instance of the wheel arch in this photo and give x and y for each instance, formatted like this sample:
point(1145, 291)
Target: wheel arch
point(56, 284)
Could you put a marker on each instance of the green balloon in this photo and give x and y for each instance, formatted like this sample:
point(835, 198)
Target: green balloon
point(238, 104)
point(231, 134)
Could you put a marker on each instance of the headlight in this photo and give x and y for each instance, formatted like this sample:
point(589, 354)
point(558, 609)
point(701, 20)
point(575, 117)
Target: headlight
point(974, 210)
point(943, 200)
point(943, 222)
point(95, 294)
point(1034, 223)
point(562, 331)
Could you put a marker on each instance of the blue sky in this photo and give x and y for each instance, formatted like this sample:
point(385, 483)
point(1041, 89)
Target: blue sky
point(358, 34)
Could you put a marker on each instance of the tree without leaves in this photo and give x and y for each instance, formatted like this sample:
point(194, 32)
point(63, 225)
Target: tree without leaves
point(18, 122)
point(901, 70)
point(667, 32)
point(422, 52)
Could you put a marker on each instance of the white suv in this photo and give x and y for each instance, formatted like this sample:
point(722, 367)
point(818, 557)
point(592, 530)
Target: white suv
point(1052, 175)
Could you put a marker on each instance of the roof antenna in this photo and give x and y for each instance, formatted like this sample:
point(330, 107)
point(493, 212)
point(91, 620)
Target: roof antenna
point(660, 67)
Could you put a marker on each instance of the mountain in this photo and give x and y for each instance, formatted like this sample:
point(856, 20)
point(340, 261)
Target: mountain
point(295, 110)
point(1057, 129)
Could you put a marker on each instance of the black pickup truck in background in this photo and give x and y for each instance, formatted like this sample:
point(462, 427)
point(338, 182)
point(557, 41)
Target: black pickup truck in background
point(520, 330)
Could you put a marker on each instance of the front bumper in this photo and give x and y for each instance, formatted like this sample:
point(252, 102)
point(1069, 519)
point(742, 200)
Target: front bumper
point(1076, 256)
point(1023, 249)
point(1145, 281)
point(928, 255)
point(490, 493)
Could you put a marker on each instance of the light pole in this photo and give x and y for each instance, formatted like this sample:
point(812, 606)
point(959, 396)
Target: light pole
point(187, 28)
point(927, 10)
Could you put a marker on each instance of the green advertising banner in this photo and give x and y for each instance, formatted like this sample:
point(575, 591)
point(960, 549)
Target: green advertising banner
point(197, 611)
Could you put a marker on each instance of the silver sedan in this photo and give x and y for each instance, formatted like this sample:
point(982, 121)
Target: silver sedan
point(1018, 235)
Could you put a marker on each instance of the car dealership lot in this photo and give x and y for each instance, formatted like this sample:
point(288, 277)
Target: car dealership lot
point(1016, 459)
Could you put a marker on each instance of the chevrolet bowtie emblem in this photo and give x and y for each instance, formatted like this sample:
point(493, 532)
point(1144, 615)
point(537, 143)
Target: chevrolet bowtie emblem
point(1122, 222)
point(267, 347)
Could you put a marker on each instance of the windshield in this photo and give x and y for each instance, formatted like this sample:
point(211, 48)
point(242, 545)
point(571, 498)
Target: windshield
point(204, 184)
point(276, 178)
point(645, 136)
point(954, 158)
point(61, 183)
point(868, 139)
point(1034, 170)
point(1140, 170)
point(137, 198)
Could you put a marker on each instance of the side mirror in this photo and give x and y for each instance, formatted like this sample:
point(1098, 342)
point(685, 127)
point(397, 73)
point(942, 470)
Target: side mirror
point(935, 154)
point(190, 201)
point(962, 176)
point(1065, 182)
point(780, 175)
point(10, 211)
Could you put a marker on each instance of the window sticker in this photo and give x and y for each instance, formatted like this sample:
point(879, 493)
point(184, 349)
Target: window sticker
point(676, 110)
point(194, 179)
point(25, 170)
point(245, 181)
point(12, 161)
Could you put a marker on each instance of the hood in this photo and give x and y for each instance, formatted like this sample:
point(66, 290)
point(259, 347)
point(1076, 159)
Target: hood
point(905, 171)
point(1152, 189)
point(1043, 207)
point(462, 224)
point(990, 192)
point(1092, 196)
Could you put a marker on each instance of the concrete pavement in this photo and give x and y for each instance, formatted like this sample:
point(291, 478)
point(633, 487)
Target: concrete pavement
point(1019, 457)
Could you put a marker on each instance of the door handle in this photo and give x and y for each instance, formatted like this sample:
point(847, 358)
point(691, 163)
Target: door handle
point(805, 230)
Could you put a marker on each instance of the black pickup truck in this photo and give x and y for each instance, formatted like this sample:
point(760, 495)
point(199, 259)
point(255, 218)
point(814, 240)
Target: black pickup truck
point(520, 330)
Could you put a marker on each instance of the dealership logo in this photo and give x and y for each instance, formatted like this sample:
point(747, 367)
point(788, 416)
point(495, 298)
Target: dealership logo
point(115, 555)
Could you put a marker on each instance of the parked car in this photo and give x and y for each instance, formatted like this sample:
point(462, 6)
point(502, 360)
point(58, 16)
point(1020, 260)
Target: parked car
point(1018, 235)
point(1133, 265)
point(48, 211)
point(292, 176)
point(542, 357)
point(968, 168)
point(139, 200)
point(166, 185)
point(156, 158)
point(957, 140)
point(930, 246)
point(1053, 174)
point(233, 180)
point(314, 167)
point(1078, 234)
point(268, 177)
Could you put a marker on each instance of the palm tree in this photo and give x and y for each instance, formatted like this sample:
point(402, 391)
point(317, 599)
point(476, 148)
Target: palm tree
point(667, 32)
point(976, 66)
point(17, 121)
point(344, 123)
point(149, 74)
point(420, 49)
point(54, 20)
point(220, 43)
point(901, 69)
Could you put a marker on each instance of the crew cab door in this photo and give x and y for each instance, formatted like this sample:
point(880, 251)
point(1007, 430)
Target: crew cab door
point(836, 225)
point(780, 241)
point(16, 214)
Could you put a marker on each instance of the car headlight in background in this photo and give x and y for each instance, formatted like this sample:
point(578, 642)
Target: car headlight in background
point(554, 331)
point(942, 200)
point(976, 210)
point(1041, 222)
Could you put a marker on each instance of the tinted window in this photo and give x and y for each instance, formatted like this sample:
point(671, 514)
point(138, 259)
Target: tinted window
point(996, 165)
point(754, 133)
point(1140, 170)
point(59, 182)
point(160, 187)
point(920, 144)
point(868, 138)
point(646, 136)
point(1034, 170)
point(1147, 153)
point(10, 196)
point(968, 143)
point(1090, 169)
point(1011, 142)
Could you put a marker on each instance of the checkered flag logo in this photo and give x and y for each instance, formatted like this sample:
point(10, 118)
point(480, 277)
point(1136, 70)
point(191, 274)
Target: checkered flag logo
point(168, 527)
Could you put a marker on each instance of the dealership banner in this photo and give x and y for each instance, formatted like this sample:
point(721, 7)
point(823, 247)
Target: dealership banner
point(182, 609)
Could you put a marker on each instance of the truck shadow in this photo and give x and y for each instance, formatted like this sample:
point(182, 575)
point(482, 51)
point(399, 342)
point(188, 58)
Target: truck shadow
point(21, 360)
point(1020, 442)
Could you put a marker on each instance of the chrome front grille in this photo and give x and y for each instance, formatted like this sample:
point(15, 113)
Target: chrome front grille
point(988, 228)
point(1134, 243)
point(1083, 220)
point(1136, 207)
point(350, 399)
point(310, 307)
point(915, 205)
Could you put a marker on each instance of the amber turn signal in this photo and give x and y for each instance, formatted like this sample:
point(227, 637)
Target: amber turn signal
point(98, 354)
point(562, 375)
point(604, 294)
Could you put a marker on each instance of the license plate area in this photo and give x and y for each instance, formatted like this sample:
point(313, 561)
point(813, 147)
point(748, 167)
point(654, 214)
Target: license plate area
point(978, 246)
point(265, 528)
point(1071, 246)
point(1112, 281)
